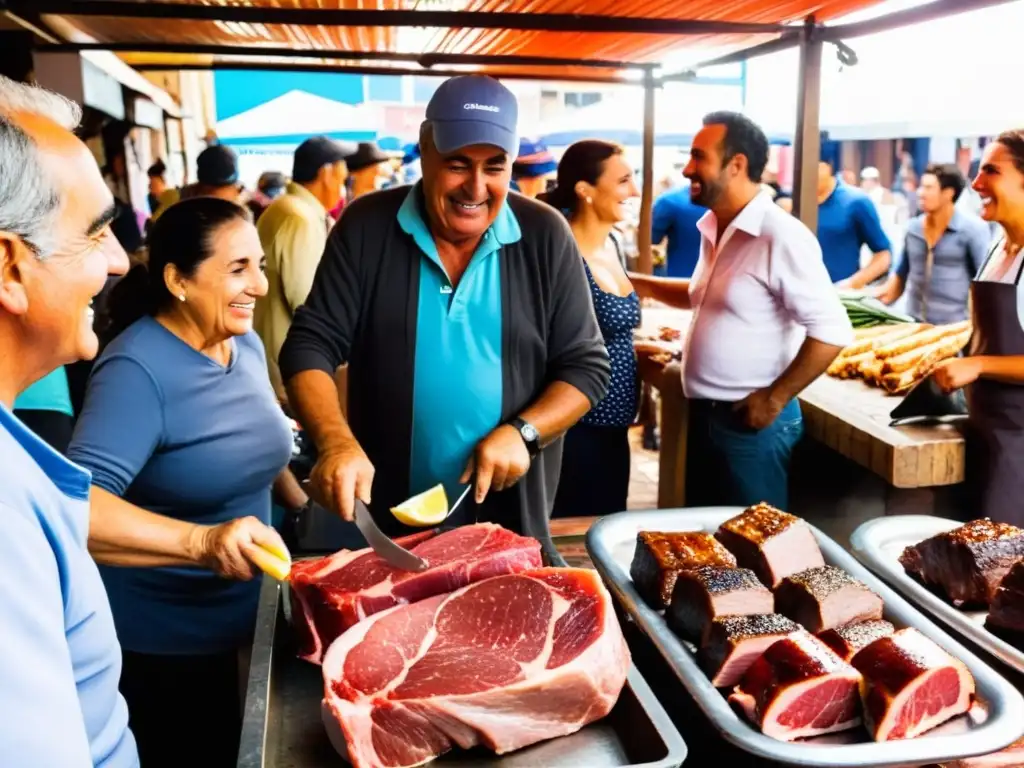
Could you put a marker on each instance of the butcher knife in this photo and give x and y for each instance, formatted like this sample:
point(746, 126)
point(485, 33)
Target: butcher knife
point(390, 552)
point(926, 402)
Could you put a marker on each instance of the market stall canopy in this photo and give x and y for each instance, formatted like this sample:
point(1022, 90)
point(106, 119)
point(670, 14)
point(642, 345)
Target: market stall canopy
point(287, 113)
point(545, 39)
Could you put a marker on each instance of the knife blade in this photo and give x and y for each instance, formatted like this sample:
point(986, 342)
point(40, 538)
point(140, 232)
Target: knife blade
point(463, 495)
point(388, 550)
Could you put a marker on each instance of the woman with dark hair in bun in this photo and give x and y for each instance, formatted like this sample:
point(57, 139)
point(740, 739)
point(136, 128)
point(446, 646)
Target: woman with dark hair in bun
point(993, 370)
point(594, 182)
point(180, 419)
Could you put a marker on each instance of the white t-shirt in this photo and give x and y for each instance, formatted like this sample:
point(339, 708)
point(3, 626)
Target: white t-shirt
point(756, 296)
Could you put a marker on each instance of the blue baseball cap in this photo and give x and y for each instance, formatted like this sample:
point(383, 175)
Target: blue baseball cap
point(534, 159)
point(474, 109)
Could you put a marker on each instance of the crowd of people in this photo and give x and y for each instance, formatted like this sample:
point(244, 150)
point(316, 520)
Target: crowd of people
point(487, 336)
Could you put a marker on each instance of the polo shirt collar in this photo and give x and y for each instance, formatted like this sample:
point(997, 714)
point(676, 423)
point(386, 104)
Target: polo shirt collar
point(505, 229)
point(749, 220)
point(71, 479)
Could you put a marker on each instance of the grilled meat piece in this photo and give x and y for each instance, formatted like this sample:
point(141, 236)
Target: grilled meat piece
point(799, 688)
point(1006, 616)
point(736, 642)
point(703, 594)
point(826, 597)
point(772, 543)
point(910, 685)
point(660, 557)
point(847, 641)
point(968, 562)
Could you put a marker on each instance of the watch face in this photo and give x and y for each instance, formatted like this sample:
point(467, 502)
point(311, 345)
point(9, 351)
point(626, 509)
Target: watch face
point(528, 432)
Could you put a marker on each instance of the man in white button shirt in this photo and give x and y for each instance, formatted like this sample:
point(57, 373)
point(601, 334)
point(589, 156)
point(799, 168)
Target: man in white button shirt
point(767, 322)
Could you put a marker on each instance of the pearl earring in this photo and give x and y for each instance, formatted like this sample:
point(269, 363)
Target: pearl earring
point(590, 201)
point(181, 297)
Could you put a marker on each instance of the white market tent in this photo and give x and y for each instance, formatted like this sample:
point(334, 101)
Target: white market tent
point(298, 112)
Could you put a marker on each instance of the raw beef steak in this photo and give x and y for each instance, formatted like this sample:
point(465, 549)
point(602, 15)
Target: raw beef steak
point(800, 688)
point(503, 663)
point(968, 562)
point(910, 685)
point(330, 594)
point(772, 543)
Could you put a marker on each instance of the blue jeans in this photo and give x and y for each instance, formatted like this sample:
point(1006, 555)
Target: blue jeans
point(729, 464)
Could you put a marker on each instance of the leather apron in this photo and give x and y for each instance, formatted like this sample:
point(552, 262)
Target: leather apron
point(995, 438)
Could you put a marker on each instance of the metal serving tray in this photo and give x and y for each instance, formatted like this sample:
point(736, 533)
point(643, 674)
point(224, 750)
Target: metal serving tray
point(996, 720)
point(879, 543)
point(282, 726)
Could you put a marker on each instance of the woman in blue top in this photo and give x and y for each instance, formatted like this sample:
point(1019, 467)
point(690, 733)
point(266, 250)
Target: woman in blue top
point(180, 418)
point(594, 181)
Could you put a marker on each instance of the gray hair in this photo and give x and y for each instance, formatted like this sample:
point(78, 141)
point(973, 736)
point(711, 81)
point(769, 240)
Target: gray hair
point(29, 200)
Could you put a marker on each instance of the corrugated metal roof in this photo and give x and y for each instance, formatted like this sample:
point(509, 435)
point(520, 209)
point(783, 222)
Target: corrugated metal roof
point(634, 32)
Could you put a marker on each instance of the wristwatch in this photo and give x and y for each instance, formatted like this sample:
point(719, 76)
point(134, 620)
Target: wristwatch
point(529, 434)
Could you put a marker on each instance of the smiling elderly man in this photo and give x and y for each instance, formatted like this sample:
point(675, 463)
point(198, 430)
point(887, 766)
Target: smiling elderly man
point(59, 658)
point(465, 317)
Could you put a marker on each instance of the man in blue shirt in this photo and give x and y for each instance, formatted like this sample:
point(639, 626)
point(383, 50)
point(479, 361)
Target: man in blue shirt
point(847, 221)
point(59, 658)
point(944, 249)
point(675, 216)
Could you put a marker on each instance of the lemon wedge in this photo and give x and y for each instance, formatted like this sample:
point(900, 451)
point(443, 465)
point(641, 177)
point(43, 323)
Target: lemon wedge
point(423, 509)
point(275, 564)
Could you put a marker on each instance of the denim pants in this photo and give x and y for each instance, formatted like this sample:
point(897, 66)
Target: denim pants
point(730, 464)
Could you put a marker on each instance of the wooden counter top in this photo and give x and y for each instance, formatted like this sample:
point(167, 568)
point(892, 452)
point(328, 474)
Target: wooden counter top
point(852, 418)
point(848, 416)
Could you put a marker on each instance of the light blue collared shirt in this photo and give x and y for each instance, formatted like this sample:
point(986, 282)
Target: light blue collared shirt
point(59, 659)
point(957, 257)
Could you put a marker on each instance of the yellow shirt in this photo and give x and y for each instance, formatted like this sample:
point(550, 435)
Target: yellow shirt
point(293, 231)
point(166, 199)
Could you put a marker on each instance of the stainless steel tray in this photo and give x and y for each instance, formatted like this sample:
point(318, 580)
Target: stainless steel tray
point(282, 726)
point(996, 720)
point(879, 543)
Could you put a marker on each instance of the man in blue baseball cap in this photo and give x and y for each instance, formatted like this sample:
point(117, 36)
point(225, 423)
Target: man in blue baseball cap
point(465, 316)
point(533, 167)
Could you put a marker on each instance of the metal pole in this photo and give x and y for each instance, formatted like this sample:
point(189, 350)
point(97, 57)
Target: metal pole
point(807, 147)
point(645, 263)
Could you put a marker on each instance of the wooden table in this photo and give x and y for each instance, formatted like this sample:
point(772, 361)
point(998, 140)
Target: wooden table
point(910, 464)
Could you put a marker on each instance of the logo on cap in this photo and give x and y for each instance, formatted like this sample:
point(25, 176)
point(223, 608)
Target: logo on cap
point(482, 107)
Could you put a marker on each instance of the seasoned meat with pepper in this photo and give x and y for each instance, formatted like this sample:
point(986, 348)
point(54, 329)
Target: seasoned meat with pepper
point(770, 542)
point(704, 594)
point(660, 557)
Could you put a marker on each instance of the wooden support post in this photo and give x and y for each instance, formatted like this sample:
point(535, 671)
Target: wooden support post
point(645, 263)
point(807, 150)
